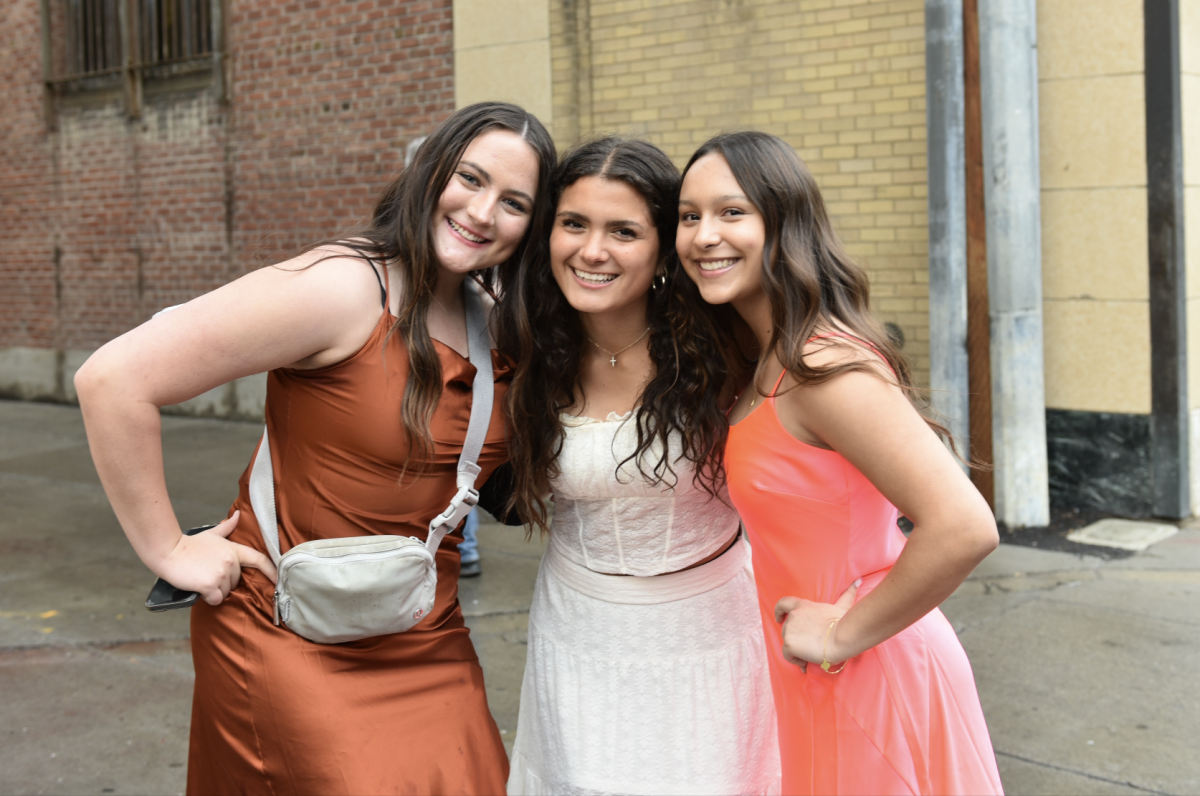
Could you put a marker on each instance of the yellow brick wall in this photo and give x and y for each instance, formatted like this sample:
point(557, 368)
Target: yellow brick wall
point(843, 81)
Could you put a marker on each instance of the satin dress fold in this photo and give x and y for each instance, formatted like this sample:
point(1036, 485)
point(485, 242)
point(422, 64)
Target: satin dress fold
point(901, 718)
point(274, 713)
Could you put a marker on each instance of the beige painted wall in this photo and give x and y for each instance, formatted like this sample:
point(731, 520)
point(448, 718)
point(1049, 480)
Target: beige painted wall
point(1093, 171)
point(502, 52)
point(843, 82)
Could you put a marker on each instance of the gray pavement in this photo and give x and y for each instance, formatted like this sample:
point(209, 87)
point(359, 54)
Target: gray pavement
point(1086, 668)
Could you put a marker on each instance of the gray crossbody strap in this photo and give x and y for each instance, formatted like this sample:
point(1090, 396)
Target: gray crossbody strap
point(262, 496)
point(479, 349)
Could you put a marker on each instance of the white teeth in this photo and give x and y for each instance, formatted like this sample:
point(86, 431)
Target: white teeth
point(461, 230)
point(717, 265)
point(598, 279)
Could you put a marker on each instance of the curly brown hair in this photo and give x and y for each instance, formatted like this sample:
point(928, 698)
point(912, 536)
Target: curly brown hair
point(691, 383)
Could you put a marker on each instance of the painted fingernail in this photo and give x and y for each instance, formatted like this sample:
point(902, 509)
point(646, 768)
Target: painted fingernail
point(858, 582)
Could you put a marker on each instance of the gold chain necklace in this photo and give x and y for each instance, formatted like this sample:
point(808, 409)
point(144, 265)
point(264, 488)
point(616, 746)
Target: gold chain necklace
point(612, 361)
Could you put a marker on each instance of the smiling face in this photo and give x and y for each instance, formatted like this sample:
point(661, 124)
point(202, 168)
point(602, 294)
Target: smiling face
point(484, 211)
point(604, 247)
point(721, 233)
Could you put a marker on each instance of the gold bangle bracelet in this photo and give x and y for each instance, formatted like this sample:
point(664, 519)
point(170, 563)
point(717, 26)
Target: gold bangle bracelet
point(825, 664)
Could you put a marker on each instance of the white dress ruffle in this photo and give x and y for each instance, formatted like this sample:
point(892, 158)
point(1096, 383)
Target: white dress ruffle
point(645, 683)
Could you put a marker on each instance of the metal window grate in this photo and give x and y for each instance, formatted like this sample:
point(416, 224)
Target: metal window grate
point(93, 43)
point(174, 30)
point(167, 32)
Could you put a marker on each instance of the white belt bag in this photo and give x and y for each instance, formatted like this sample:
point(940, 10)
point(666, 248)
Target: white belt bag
point(335, 590)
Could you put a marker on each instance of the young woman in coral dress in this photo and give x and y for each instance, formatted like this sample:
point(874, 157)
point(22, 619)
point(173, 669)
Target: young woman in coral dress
point(646, 672)
point(368, 399)
point(873, 690)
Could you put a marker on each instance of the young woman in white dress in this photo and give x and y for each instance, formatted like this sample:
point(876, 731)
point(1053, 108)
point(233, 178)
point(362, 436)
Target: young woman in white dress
point(646, 671)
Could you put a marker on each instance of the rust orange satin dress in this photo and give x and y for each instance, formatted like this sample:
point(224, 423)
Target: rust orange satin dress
point(274, 713)
point(901, 718)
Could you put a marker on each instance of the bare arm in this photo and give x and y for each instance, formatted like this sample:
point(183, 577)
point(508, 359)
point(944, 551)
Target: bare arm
point(872, 424)
point(274, 317)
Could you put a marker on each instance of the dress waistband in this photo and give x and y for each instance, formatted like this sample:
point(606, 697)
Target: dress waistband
point(638, 590)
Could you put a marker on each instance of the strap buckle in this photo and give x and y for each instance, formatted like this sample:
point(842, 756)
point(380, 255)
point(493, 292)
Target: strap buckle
point(460, 506)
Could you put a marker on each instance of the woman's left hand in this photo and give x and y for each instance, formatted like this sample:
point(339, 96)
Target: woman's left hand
point(806, 624)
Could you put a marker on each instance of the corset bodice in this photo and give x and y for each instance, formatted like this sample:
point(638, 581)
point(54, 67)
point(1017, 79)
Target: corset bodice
point(613, 521)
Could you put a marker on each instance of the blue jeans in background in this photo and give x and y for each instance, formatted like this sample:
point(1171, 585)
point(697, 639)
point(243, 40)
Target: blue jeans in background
point(469, 549)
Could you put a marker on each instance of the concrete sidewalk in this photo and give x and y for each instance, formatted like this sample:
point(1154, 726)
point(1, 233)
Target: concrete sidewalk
point(1087, 668)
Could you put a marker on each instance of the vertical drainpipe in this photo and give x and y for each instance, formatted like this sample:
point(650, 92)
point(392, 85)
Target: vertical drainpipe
point(944, 98)
point(1168, 269)
point(1009, 98)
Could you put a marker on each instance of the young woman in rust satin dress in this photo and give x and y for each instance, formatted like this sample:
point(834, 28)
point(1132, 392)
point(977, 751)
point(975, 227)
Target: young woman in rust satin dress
point(873, 691)
point(368, 400)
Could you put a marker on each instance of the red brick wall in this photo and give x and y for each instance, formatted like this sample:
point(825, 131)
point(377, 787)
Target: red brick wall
point(27, 294)
point(327, 96)
point(145, 213)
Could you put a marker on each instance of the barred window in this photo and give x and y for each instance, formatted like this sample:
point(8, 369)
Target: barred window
point(174, 30)
point(94, 45)
point(93, 40)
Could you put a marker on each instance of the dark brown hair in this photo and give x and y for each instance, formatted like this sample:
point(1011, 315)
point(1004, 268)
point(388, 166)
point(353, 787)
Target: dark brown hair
point(807, 275)
point(401, 229)
point(684, 397)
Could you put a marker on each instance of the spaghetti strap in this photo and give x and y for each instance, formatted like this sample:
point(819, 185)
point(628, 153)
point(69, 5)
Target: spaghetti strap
point(778, 381)
point(775, 390)
point(383, 286)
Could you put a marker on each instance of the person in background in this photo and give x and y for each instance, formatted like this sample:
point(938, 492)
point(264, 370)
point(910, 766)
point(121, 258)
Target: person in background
point(468, 551)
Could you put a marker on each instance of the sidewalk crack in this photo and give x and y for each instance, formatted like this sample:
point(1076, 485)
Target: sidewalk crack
point(1078, 773)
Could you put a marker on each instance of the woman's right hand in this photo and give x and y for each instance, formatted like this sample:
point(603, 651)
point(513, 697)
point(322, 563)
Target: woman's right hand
point(806, 626)
point(211, 565)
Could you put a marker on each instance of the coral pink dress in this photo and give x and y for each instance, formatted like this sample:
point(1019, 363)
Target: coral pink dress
point(902, 717)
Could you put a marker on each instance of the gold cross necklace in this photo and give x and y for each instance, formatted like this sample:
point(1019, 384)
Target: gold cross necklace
point(612, 355)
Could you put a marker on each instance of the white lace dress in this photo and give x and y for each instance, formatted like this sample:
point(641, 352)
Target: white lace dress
point(650, 683)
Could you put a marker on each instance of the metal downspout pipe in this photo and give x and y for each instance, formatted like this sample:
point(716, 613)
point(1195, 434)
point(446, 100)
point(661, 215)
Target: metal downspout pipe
point(1009, 97)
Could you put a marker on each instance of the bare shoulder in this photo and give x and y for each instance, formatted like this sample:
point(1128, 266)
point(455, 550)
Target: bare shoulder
point(830, 349)
point(310, 311)
point(809, 410)
point(335, 273)
point(320, 306)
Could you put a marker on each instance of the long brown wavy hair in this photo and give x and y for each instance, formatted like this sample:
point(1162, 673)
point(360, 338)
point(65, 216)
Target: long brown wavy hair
point(807, 275)
point(690, 386)
point(401, 230)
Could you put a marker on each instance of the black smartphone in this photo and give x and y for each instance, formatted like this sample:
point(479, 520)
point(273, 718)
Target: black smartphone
point(164, 596)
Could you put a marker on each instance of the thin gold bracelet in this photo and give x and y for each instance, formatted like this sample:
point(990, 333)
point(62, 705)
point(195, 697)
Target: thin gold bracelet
point(825, 664)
